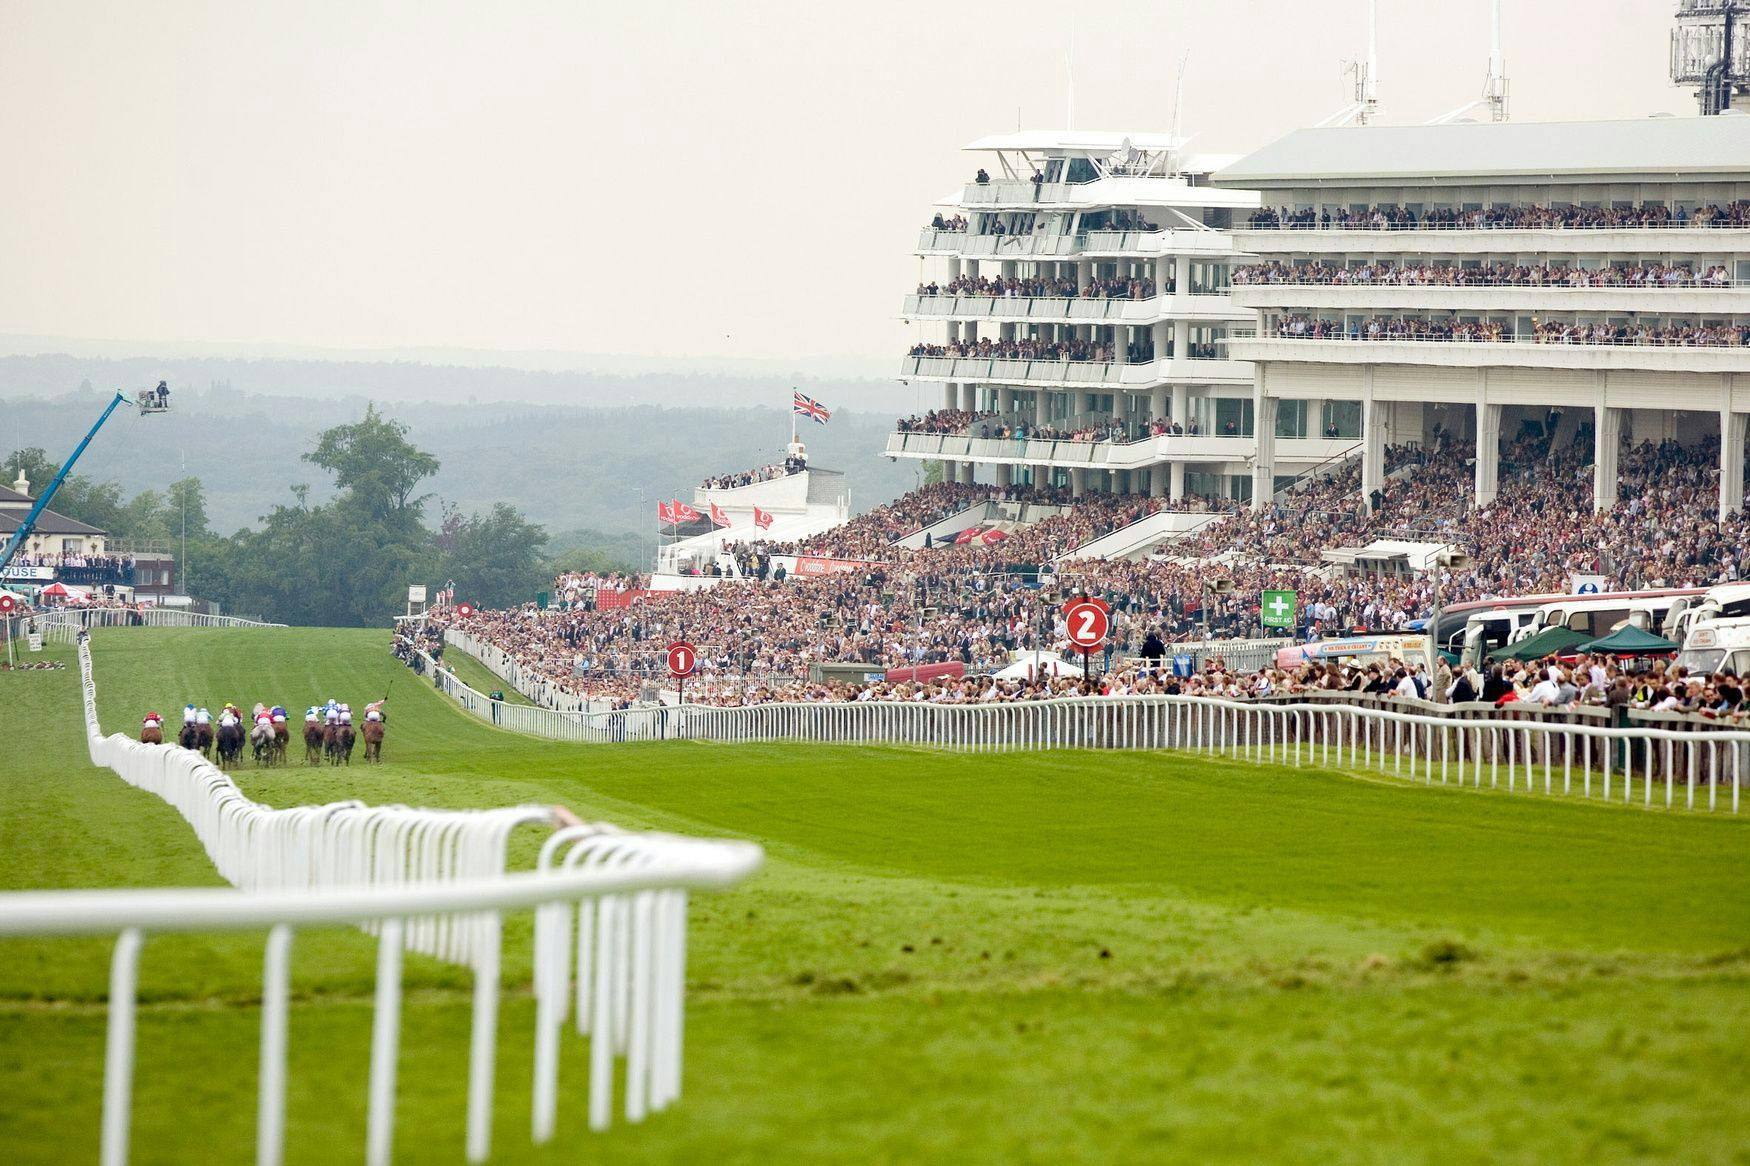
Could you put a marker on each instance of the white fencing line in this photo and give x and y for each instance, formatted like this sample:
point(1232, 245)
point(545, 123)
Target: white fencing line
point(149, 617)
point(1613, 758)
point(432, 881)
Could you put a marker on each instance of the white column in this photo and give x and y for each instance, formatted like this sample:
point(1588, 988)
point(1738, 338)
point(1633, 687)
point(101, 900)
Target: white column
point(1157, 401)
point(1372, 448)
point(1084, 273)
point(1182, 274)
point(1157, 481)
point(1005, 476)
point(969, 396)
point(1181, 339)
point(1488, 452)
point(1731, 458)
point(1161, 339)
point(1005, 399)
point(1078, 482)
point(1264, 434)
point(1606, 449)
point(1182, 405)
point(950, 395)
point(1176, 487)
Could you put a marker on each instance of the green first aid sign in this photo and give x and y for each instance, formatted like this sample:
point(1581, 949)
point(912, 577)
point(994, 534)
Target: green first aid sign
point(1278, 609)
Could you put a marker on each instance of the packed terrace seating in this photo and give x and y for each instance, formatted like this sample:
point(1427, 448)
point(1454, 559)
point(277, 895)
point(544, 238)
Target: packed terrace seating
point(1398, 218)
point(1034, 349)
point(1655, 275)
point(960, 423)
point(975, 603)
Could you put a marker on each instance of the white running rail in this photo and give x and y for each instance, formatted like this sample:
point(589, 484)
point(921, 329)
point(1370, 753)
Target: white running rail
point(1521, 749)
point(627, 893)
point(389, 869)
point(147, 617)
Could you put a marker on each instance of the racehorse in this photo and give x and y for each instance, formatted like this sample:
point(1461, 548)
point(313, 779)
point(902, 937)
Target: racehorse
point(203, 737)
point(374, 740)
point(189, 737)
point(230, 741)
point(261, 742)
point(281, 735)
point(314, 739)
point(337, 744)
point(151, 734)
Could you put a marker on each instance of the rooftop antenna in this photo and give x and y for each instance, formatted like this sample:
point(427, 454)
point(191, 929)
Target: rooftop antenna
point(1494, 96)
point(1179, 93)
point(1365, 108)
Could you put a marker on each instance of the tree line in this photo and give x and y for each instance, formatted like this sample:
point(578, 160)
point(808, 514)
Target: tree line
point(344, 563)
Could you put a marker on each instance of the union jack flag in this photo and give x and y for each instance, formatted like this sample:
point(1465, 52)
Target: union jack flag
point(809, 407)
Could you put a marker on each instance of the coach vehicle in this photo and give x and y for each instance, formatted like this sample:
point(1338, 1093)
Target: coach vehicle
point(1717, 645)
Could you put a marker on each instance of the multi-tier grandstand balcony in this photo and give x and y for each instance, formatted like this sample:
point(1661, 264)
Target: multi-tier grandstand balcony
point(1699, 346)
point(1109, 455)
point(1052, 373)
point(1075, 309)
point(1495, 286)
point(1091, 244)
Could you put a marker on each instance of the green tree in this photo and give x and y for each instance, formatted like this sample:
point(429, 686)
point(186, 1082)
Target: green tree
point(185, 508)
point(495, 558)
point(373, 461)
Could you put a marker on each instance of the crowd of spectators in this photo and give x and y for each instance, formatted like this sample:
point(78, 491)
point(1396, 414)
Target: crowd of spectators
point(769, 473)
point(1400, 218)
point(961, 423)
point(1650, 275)
point(980, 603)
point(1030, 348)
point(1677, 335)
point(943, 222)
point(1041, 286)
point(1301, 327)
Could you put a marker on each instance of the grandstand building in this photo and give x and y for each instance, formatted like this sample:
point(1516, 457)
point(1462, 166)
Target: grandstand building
point(1074, 306)
point(1482, 283)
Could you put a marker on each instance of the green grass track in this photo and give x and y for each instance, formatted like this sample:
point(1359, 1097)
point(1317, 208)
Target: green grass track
point(1057, 957)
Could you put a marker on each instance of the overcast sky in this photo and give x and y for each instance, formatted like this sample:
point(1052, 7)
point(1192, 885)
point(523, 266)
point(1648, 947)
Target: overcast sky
point(710, 181)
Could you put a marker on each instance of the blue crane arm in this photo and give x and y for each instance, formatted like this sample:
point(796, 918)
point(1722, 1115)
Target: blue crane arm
point(42, 501)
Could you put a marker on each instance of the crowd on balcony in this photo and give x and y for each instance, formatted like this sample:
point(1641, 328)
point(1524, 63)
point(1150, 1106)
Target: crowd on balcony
point(1652, 275)
point(1042, 287)
point(960, 423)
point(1299, 327)
point(977, 603)
point(1388, 217)
point(952, 422)
point(1677, 335)
point(769, 473)
point(943, 222)
point(1031, 349)
point(82, 569)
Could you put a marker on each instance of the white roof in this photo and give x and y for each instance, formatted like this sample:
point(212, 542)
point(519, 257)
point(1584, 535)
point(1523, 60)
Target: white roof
point(1660, 147)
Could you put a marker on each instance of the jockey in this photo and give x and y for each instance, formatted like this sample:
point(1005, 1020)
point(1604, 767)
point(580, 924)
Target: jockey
point(374, 711)
point(346, 714)
point(227, 717)
point(153, 721)
point(258, 710)
point(202, 716)
point(332, 714)
point(311, 716)
point(187, 714)
point(278, 714)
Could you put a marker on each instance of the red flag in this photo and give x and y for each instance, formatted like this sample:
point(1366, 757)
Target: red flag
point(970, 534)
point(718, 518)
point(762, 519)
point(993, 536)
point(665, 513)
point(685, 513)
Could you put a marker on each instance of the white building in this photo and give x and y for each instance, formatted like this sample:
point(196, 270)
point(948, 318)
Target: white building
point(1561, 204)
point(1114, 255)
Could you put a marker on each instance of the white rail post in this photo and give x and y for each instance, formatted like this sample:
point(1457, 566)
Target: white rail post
point(385, 1047)
point(270, 1123)
point(118, 1056)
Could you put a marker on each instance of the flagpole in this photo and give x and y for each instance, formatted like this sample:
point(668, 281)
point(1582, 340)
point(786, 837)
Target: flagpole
point(793, 391)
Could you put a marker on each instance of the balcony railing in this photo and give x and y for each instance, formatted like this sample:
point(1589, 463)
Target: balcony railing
point(1023, 191)
point(1042, 245)
point(1692, 285)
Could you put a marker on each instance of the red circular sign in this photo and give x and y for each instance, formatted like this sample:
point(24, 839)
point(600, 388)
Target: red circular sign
point(1088, 624)
point(7, 603)
point(464, 609)
point(1093, 599)
point(683, 659)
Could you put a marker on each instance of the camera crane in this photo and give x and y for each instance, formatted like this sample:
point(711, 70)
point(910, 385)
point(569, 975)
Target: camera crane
point(149, 401)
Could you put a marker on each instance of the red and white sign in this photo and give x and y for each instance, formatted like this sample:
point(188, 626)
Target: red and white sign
point(7, 604)
point(993, 536)
point(683, 659)
point(464, 609)
point(969, 535)
point(718, 517)
point(665, 513)
point(1088, 624)
point(816, 565)
point(685, 513)
point(762, 519)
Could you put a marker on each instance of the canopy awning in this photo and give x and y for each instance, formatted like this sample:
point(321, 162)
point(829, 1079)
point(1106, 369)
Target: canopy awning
point(1629, 640)
point(1556, 641)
